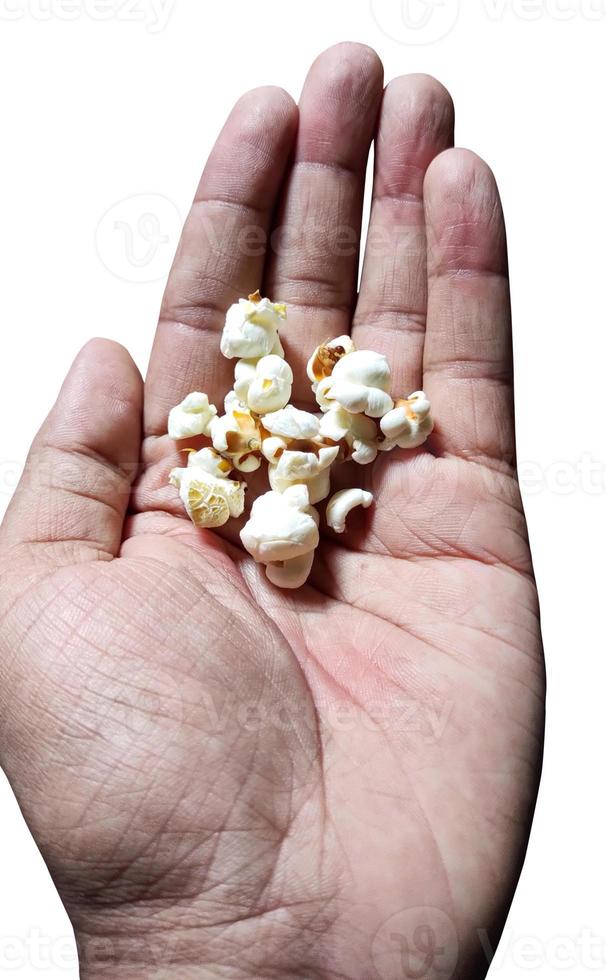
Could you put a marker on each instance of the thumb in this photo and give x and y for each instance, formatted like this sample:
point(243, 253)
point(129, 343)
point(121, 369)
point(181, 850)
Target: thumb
point(74, 492)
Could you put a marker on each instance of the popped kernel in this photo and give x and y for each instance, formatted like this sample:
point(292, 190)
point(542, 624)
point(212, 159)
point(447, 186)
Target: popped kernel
point(308, 467)
point(192, 417)
point(409, 423)
point(342, 503)
point(357, 432)
point(360, 383)
point(209, 500)
point(268, 387)
point(281, 526)
point(251, 328)
point(237, 435)
point(322, 362)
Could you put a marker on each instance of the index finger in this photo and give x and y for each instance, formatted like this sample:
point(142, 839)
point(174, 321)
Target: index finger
point(221, 254)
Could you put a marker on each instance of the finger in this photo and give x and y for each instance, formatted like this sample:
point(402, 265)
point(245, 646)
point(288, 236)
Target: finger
point(468, 362)
point(221, 254)
point(74, 492)
point(314, 264)
point(416, 124)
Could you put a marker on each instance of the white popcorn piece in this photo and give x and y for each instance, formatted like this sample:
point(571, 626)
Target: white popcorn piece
point(296, 465)
point(210, 461)
point(342, 503)
point(335, 424)
point(247, 462)
point(322, 393)
point(209, 500)
point(360, 383)
point(273, 447)
point(281, 526)
point(292, 423)
point(244, 372)
point(317, 486)
point(363, 440)
point(251, 328)
point(270, 388)
point(322, 361)
point(291, 574)
point(360, 399)
point(357, 431)
point(409, 424)
point(231, 402)
point(364, 367)
point(311, 469)
point(277, 349)
point(192, 417)
point(237, 434)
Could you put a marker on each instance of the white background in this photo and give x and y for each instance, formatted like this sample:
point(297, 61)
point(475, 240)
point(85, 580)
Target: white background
point(109, 108)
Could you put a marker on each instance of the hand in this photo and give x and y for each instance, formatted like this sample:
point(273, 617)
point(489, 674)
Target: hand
point(231, 781)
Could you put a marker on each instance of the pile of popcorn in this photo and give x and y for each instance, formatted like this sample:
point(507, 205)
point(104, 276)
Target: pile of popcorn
point(358, 418)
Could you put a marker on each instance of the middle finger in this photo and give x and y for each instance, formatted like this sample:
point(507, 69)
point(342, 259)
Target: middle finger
point(316, 241)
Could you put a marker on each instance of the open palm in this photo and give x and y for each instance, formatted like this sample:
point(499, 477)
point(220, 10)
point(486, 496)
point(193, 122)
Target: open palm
point(231, 781)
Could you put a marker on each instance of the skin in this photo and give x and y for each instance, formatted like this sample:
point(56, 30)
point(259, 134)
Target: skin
point(231, 781)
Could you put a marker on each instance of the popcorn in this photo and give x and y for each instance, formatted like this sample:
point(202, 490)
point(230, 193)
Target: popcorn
point(352, 389)
point(232, 402)
point(264, 385)
point(296, 454)
point(409, 424)
point(281, 526)
point(291, 574)
point(309, 469)
point(237, 434)
point(359, 382)
point(297, 465)
point(359, 433)
point(251, 328)
point(322, 393)
point(364, 367)
point(273, 447)
point(362, 439)
point(318, 486)
point(361, 398)
point(342, 503)
point(244, 372)
point(192, 417)
point(210, 461)
point(209, 500)
point(292, 423)
point(322, 361)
